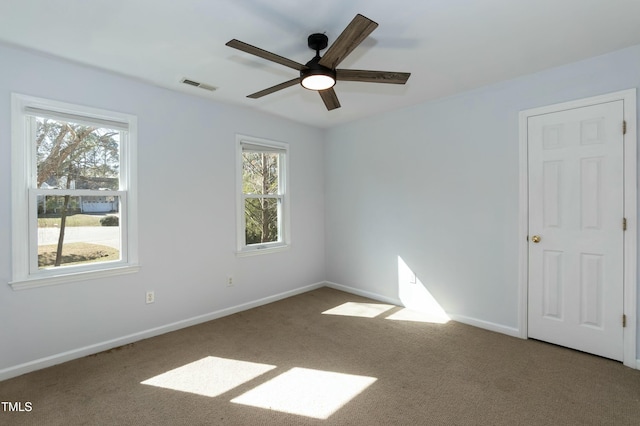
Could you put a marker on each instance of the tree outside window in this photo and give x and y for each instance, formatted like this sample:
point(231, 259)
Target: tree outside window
point(263, 194)
point(73, 157)
point(260, 186)
point(74, 210)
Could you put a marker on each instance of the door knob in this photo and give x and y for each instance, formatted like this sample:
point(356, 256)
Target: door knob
point(536, 238)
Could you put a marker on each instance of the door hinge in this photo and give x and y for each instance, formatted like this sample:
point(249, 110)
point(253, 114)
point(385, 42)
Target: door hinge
point(624, 127)
point(624, 223)
point(624, 320)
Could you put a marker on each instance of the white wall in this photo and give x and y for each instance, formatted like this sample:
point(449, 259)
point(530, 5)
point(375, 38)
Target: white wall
point(437, 185)
point(186, 165)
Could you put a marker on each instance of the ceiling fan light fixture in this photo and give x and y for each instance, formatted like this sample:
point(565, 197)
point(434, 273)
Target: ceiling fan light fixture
point(316, 77)
point(318, 82)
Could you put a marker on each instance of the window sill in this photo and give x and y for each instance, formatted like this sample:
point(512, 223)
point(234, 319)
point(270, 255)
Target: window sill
point(259, 251)
point(43, 281)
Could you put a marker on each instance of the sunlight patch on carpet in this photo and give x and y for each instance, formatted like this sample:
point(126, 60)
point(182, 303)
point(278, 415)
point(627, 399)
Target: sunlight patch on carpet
point(355, 309)
point(210, 376)
point(416, 316)
point(306, 392)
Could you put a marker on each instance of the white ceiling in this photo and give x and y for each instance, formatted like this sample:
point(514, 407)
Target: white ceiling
point(449, 46)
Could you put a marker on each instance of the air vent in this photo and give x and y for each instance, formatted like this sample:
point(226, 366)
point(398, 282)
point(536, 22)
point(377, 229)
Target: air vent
point(197, 84)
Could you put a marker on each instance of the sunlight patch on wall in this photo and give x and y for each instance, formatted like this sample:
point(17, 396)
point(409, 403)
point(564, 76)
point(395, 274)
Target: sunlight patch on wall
point(306, 392)
point(415, 296)
point(354, 309)
point(210, 376)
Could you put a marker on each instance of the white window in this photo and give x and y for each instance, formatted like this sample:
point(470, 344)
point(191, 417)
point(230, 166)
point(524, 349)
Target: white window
point(73, 192)
point(263, 205)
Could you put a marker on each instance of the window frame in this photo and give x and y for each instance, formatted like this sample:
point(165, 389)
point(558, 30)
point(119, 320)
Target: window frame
point(24, 193)
point(284, 241)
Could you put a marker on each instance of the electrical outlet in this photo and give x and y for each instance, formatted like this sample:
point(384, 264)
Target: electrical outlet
point(229, 280)
point(151, 297)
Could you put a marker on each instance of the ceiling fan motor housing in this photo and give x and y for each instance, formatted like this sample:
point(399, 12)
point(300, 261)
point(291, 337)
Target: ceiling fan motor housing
point(318, 41)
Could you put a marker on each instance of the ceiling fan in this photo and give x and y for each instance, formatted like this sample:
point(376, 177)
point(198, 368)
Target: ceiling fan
point(320, 73)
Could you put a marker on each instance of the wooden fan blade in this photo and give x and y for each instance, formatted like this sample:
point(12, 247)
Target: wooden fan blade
point(240, 45)
point(357, 30)
point(330, 99)
point(274, 88)
point(373, 76)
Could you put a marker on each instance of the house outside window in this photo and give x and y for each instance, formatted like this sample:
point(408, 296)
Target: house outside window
point(263, 200)
point(73, 192)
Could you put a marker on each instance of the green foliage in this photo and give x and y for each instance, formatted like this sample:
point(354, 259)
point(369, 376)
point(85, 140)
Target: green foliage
point(54, 203)
point(110, 221)
point(261, 215)
point(260, 177)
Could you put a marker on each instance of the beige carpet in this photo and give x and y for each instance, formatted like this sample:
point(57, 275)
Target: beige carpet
point(287, 363)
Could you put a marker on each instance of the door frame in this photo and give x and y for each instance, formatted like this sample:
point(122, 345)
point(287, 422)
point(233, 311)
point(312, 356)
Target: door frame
point(630, 213)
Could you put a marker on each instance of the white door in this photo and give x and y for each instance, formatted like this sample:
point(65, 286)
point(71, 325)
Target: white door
point(576, 206)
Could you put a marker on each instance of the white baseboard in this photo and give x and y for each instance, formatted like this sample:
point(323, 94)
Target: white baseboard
point(487, 325)
point(499, 328)
point(363, 293)
point(49, 361)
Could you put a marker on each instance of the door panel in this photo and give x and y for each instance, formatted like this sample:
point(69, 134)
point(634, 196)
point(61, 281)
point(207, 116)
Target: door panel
point(576, 194)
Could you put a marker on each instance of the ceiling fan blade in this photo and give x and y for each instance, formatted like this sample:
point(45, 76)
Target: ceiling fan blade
point(357, 30)
point(373, 76)
point(240, 45)
point(330, 99)
point(274, 88)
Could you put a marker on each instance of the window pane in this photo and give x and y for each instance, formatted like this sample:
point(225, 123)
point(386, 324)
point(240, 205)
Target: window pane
point(260, 172)
point(91, 230)
point(75, 156)
point(261, 216)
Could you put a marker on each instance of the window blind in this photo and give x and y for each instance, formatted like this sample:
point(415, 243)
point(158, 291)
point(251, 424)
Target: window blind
point(77, 119)
point(249, 147)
